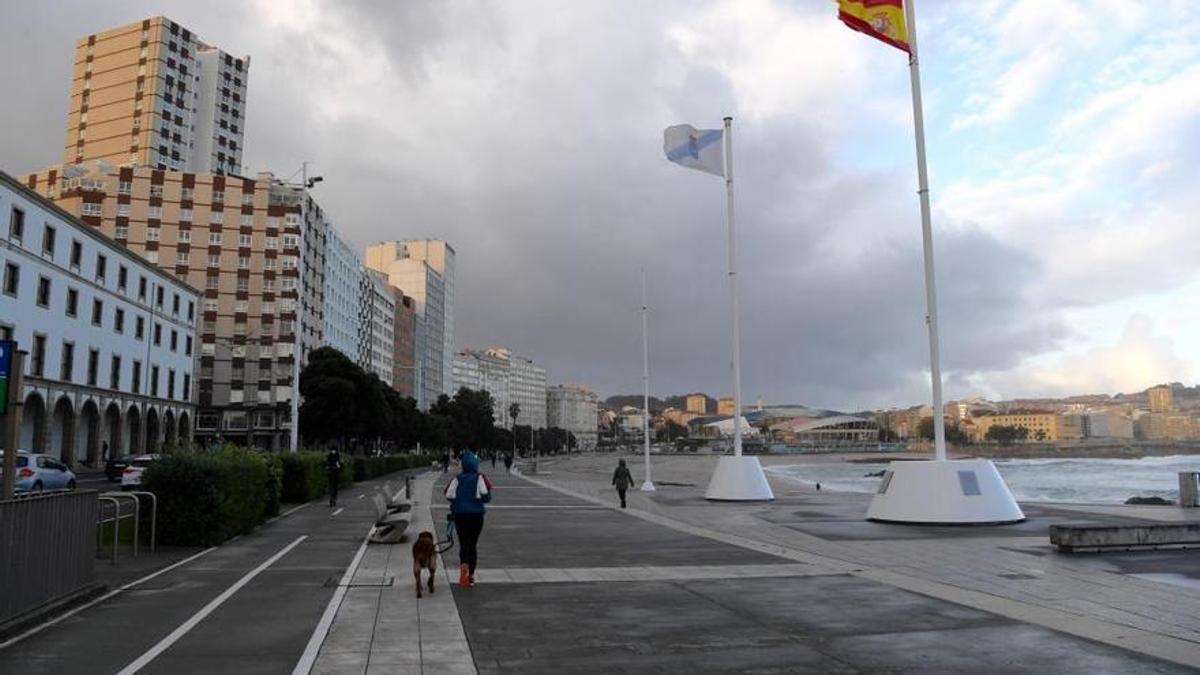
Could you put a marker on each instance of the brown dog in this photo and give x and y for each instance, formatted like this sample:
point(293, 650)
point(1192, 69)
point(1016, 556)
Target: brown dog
point(424, 557)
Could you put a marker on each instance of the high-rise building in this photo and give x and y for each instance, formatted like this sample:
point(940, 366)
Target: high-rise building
point(575, 410)
point(343, 292)
point(377, 325)
point(151, 94)
point(424, 270)
point(725, 405)
point(111, 338)
point(1161, 399)
point(509, 379)
point(405, 333)
point(697, 403)
point(254, 246)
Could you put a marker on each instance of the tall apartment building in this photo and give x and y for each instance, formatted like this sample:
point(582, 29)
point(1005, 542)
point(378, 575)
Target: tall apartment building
point(377, 325)
point(697, 403)
point(509, 379)
point(424, 269)
point(111, 338)
point(404, 363)
point(343, 293)
point(254, 246)
point(150, 93)
point(574, 409)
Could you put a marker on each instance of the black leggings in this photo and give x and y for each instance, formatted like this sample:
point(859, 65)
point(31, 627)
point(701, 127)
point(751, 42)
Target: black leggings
point(469, 526)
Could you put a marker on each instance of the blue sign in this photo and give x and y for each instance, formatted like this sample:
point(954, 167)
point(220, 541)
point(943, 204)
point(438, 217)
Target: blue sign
point(7, 349)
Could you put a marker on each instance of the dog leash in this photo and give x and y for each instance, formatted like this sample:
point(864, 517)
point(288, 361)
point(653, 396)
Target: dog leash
point(449, 541)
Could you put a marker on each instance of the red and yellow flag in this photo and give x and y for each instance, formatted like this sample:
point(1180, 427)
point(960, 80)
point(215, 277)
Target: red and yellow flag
point(881, 19)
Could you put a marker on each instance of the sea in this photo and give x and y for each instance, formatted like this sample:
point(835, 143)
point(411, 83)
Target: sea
point(1077, 480)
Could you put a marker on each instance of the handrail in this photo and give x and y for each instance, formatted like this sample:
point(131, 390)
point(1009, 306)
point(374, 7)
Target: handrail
point(153, 514)
point(137, 513)
point(115, 520)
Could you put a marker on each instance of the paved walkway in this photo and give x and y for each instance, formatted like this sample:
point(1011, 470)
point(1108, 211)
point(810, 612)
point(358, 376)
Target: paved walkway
point(570, 584)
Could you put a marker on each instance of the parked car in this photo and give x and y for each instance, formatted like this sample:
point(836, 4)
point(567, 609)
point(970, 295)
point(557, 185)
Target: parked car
point(131, 478)
point(41, 472)
point(115, 466)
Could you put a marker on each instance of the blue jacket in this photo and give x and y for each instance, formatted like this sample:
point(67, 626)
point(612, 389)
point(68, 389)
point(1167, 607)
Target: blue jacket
point(469, 490)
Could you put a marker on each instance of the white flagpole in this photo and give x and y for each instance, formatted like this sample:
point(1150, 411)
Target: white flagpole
point(935, 367)
point(733, 294)
point(647, 485)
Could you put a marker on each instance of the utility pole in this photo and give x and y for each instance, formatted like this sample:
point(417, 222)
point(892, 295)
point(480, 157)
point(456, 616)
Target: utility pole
point(12, 419)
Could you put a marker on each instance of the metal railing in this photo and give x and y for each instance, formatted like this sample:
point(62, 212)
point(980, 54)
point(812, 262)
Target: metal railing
point(118, 513)
point(47, 549)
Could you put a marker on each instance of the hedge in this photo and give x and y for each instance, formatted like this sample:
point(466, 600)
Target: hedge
point(206, 497)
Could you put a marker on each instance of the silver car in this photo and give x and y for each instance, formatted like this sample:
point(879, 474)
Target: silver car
point(41, 472)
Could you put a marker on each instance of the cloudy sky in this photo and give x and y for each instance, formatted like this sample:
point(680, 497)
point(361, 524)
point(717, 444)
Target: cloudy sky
point(1062, 140)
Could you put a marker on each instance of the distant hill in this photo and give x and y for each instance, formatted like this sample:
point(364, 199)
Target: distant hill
point(657, 404)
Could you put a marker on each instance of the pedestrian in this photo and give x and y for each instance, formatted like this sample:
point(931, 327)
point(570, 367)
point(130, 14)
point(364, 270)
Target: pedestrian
point(622, 479)
point(445, 461)
point(468, 492)
point(508, 461)
point(493, 454)
point(333, 469)
point(104, 451)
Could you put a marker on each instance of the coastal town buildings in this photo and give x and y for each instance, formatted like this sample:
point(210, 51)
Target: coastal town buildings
point(725, 405)
point(508, 379)
point(150, 93)
point(697, 403)
point(111, 338)
point(574, 409)
point(1161, 399)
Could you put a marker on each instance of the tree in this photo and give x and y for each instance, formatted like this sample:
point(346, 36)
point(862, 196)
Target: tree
point(670, 431)
point(471, 411)
point(340, 400)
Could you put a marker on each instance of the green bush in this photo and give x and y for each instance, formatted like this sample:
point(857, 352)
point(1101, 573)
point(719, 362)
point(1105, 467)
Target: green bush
point(303, 476)
point(205, 498)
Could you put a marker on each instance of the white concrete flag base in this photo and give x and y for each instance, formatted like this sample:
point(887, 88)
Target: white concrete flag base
point(738, 479)
point(647, 486)
point(962, 492)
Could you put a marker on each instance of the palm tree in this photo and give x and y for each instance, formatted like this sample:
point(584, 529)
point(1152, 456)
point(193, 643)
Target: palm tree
point(514, 411)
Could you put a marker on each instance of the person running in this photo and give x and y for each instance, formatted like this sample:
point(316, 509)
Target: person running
point(333, 469)
point(468, 492)
point(622, 480)
point(508, 460)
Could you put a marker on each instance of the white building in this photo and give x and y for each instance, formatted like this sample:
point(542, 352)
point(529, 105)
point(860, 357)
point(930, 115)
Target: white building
point(574, 409)
point(424, 269)
point(377, 325)
point(509, 380)
point(343, 292)
point(111, 339)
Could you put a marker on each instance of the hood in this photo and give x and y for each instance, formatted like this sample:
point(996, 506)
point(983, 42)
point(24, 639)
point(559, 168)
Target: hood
point(470, 461)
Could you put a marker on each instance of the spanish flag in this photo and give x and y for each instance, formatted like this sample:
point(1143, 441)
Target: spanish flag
point(881, 19)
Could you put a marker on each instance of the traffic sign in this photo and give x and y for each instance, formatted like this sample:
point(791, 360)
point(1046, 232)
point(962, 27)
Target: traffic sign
point(7, 349)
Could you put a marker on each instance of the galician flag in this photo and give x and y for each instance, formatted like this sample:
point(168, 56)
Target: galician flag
point(694, 148)
point(881, 19)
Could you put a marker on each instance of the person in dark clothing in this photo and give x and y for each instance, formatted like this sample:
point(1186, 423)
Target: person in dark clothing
point(468, 492)
point(493, 453)
point(333, 468)
point(622, 480)
point(508, 460)
point(445, 462)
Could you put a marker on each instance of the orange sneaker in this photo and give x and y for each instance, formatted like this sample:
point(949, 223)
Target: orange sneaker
point(464, 575)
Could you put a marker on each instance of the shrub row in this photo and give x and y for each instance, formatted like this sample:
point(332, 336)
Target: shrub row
point(206, 497)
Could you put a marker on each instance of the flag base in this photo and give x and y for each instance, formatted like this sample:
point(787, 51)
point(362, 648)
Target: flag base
point(647, 487)
point(947, 492)
point(738, 479)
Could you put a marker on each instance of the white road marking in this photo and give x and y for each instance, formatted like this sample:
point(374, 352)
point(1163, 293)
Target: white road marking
point(37, 629)
point(305, 664)
point(143, 660)
point(340, 509)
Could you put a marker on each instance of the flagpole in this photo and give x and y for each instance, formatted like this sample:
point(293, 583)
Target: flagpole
point(733, 294)
point(935, 366)
point(647, 485)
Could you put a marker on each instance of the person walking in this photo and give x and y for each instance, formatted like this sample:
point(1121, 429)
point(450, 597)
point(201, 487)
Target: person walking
point(445, 461)
point(468, 492)
point(508, 460)
point(333, 470)
point(622, 480)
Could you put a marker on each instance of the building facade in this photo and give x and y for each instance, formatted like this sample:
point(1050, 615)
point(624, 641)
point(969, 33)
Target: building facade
point(725, 405)
point(1162, 399)
point(574, 409)
point(404, 362)
point(150, 93)
point(253, 246)
point(424, 270)
point(697, 404)
point(111, 338)
point(508, 379)
point(377, 326)
point(1042, 425)
point(343, 293)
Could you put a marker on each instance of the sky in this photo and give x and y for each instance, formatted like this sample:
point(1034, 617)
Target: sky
point(1062, 142)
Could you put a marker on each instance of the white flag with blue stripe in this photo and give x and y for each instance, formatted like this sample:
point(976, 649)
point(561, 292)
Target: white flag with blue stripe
point(694, 148)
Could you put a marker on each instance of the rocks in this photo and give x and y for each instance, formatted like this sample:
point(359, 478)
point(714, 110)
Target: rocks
point(1149, 501)
point(874, 474)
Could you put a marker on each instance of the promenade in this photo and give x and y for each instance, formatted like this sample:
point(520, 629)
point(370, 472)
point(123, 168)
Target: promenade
point(570, 584)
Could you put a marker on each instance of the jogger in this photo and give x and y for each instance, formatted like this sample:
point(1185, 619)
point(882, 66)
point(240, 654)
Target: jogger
point(468, 492)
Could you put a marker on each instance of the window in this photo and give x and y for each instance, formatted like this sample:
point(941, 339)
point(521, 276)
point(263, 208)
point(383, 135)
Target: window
point(269, 263)
point(267, 308)
point(122, 277)
point(141, 288)
point(191, 313)
point(185, 236)
point(43, 292)
point(139, 328)
point(247, 199)
point(214, 260)
point(119, 320)
point(268, 284)
point(174, 340)
point(16, 225)
point(101, 267)
point(210, 305)
point(185, 215)
point(154, 380)
point(38, 363)
point(182, 258)
point(290, 262)
point(291, 241)
point(272, 243)
point(247, 219)
point(76, 254)
point(151, 256)
point(123, 210)
point(244, 240)
point(291, 220)
point(156, 190)
point(216, 217)
point(157, 334)
point(243, 263)
point(48, 241)
point(187, 387)
point(90, 209)
point(272, 221)
point(124, 187)
point(97, 312)
point(187, 345)
point(72, 302)
point(12, 279)
point(218, 197)
point(289, 284)
point(152, 233)
point(93, 366)
point(243, 285)
point(122, 232)
point(185, 193)
point(67, 365)
point(158, 296)
point(154, 212)
point(212, 283)
point(214, 238)
point(170, 384)
point(175, 304)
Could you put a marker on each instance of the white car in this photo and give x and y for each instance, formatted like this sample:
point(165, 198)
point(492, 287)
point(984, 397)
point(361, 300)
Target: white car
point(131, 477)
